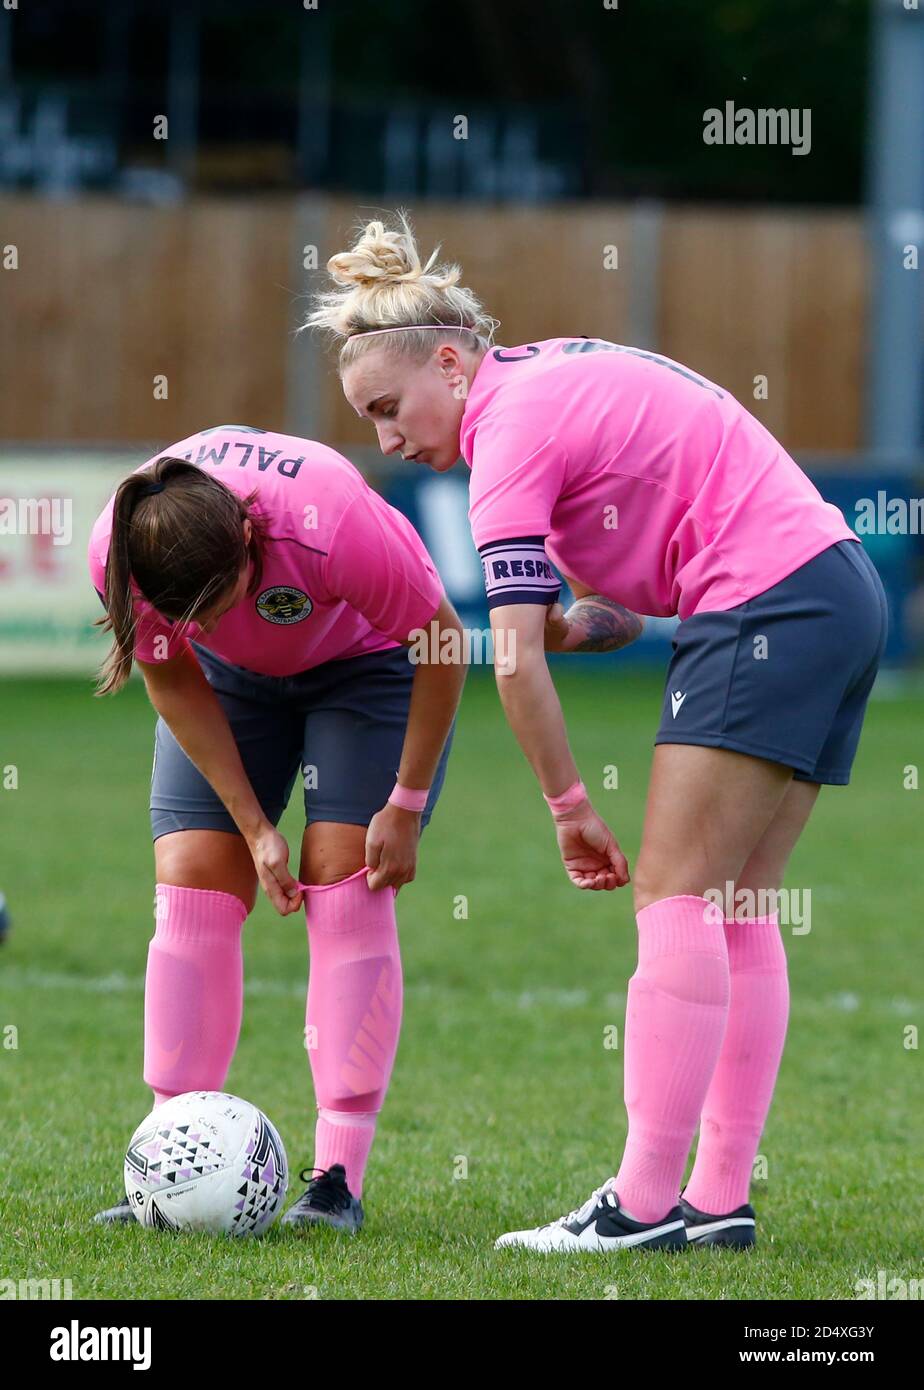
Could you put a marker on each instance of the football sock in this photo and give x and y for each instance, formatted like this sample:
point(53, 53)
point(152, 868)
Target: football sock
point(193, 993)
point(341, 1137)
point(739, 1095)
point(676, 1012)
point(352, 1016)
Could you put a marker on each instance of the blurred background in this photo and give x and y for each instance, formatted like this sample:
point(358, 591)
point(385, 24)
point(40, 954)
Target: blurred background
point(174, 176)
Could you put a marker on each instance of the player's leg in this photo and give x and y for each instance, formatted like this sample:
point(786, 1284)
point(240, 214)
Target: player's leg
point(734, 1112)
point(782, 678)
point(209, 860)
point(352, 938)
point(331, 852)
point(356, 719)
point(830, 623)
point(205, 887)
point(778, 684)
point(766, 867)
point(707, 810)
point(206, 883)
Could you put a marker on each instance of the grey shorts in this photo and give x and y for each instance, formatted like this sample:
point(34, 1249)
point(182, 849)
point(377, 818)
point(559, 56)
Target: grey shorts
point(339, 727)
point(786, 675)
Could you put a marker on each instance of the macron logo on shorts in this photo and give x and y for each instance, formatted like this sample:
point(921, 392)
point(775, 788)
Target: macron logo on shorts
point(677, 699)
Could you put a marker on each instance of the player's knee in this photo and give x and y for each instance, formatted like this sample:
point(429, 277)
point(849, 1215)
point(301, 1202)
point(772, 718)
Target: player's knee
point(643, 897)
point(177, 865)
point(248, 898)
point(332, 852)
point(326, 874)
point(651, 885)
point(648, 886)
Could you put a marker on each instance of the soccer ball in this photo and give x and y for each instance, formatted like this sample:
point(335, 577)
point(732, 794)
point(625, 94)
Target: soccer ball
point(206, 1161)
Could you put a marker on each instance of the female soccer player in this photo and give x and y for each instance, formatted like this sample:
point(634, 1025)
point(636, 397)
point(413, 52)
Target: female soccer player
point(646, 485)
point(268, 596)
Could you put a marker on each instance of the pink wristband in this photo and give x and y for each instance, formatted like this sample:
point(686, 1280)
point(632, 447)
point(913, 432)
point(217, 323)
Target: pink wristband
point(567, 800)
point(409, 798)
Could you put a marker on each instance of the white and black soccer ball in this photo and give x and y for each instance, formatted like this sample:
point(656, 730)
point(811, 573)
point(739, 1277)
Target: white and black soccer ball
point(206, 1161)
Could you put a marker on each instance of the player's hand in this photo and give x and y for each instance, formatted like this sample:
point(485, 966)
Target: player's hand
point(271, 860)
point(589, 851)
point(557, 628)
point(391, 847)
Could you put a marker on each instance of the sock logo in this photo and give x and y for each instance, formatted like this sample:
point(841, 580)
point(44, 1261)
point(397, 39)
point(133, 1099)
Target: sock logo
point(677, 699)
point(368, 1062)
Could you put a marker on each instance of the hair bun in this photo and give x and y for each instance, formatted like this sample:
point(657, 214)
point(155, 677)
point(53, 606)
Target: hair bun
point(382, 284)
point(379, 257)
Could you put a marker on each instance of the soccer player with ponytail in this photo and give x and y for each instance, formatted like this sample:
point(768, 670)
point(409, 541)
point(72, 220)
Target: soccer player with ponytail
point(649, 486)
point(268, 596)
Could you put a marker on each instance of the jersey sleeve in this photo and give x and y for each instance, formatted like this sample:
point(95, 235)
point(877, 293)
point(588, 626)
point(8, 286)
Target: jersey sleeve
point(378, 564)
point(518, 472)
point(156, 638)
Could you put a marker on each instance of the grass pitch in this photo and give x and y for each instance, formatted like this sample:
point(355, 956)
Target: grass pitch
point(505, 1107)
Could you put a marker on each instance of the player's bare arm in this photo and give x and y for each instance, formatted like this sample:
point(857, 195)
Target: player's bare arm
point(590, 854)
point(593, 623)
point(394, 831)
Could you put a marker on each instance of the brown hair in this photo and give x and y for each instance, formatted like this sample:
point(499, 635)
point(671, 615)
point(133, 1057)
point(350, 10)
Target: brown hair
point(183, 546)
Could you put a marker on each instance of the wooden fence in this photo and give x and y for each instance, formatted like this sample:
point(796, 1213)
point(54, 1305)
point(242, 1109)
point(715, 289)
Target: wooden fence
point(123, 322)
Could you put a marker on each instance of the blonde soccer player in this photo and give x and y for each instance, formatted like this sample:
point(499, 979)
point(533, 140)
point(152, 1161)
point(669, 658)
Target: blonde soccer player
point(648, 486)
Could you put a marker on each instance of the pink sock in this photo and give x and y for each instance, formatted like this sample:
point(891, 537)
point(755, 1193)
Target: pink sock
point(193, 991)
point(675, 1018)
point(353, 1015)
point(342, 1137)
point(739, 1095)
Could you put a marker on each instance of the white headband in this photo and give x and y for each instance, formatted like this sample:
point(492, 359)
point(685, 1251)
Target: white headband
point(406, 328)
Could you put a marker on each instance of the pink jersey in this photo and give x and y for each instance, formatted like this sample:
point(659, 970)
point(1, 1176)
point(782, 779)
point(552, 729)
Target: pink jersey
point(635, 476)
point(344, 573)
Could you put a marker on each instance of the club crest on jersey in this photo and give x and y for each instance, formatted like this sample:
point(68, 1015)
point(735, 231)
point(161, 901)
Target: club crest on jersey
point(283, 604)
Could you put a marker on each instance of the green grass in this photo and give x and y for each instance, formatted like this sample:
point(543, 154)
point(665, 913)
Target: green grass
point(501, 1059)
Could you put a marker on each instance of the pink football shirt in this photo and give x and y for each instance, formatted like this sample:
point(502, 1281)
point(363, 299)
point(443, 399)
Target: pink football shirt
point(344, 572)
point(635, 476)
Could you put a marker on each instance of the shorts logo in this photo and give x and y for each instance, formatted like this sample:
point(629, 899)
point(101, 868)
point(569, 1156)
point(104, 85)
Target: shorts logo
point(677, 699)
point(283, 604)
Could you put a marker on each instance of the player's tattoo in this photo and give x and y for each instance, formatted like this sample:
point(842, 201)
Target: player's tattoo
point(606, 625)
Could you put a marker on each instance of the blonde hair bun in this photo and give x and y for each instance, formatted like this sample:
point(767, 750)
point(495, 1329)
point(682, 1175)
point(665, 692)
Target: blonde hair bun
point(381, 283)
point(387, 256)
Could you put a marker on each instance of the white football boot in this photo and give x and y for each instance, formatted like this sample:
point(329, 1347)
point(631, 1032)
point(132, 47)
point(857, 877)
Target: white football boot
point(600, 1225)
